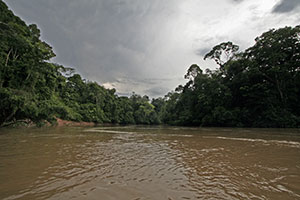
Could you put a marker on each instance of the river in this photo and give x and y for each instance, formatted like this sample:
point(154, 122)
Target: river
point(149, 162)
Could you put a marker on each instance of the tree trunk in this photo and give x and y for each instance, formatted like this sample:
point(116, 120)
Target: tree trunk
point(280, 91)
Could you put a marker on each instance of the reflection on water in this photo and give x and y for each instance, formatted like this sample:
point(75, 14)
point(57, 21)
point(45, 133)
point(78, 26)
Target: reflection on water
point(138, 163)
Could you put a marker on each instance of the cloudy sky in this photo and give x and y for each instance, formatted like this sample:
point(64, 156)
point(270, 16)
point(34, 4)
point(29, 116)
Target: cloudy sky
point(146, 46)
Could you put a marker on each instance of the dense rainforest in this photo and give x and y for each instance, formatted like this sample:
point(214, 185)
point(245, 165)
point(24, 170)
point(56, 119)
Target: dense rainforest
point(259, 87)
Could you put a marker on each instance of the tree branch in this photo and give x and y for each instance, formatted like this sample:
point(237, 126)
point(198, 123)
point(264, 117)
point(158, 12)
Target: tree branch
point(7, 57)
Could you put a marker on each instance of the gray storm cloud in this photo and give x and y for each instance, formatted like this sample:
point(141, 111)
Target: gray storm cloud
point(285, 6)
point(146, 46)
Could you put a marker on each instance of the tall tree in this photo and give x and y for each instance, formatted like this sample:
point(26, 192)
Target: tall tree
point(222, 53)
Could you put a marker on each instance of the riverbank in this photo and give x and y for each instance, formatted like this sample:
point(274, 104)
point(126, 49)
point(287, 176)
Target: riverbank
point(61, 122)
point(27, 123)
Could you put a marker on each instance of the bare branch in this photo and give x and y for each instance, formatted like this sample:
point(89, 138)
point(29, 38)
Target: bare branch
point(7, 57)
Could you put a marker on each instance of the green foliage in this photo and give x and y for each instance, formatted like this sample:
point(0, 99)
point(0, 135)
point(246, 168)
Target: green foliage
point(10, 104)
point(255, 88)
point(33, 88)
point(144, 112)
point(193, 71)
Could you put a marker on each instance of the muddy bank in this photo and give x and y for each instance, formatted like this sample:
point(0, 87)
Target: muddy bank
point(61, 122)
point(27, 123)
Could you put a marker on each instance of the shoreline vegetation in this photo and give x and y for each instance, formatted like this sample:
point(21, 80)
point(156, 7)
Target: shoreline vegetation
point(257, 87)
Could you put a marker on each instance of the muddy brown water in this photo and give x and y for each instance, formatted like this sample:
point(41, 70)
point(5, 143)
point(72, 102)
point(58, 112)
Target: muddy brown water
point(139, 163)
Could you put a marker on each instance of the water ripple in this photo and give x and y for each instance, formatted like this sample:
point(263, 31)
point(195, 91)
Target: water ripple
point(134, 164)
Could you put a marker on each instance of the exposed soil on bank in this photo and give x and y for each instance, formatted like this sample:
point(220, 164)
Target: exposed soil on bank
point(61, 122)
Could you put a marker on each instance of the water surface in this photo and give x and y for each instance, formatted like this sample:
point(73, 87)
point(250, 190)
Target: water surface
point(138, 163)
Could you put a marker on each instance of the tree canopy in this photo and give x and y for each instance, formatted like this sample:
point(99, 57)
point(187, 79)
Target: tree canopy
point(260, 87)
point(222, 53)
point(31, 87)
